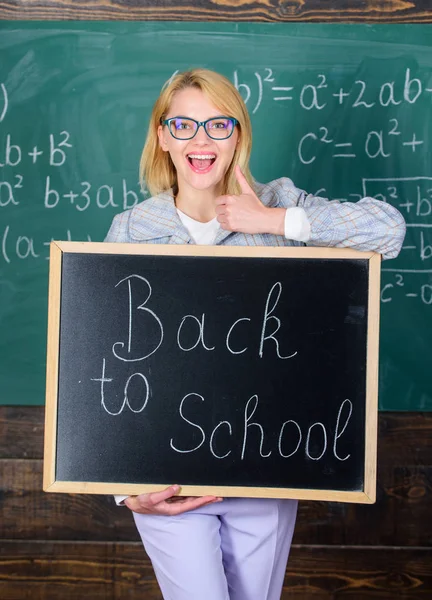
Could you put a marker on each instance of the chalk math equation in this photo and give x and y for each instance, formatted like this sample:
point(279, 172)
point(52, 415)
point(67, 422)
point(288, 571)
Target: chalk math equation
point(321, 92)
point(413, 197)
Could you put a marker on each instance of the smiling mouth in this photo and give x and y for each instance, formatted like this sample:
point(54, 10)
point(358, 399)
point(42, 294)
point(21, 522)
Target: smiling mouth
point(201, 163)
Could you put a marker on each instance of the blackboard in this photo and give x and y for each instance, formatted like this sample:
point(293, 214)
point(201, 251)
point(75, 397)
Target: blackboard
point(344, 110)
point(253, 371)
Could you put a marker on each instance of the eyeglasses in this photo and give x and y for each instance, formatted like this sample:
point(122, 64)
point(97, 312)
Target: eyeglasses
point(184, 128)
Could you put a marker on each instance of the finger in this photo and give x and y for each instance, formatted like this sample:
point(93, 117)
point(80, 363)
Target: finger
point(180, 499)
point(223, 223)
point(148, 501)
point(223, 200)
point(243, 182)
point(156, 497)
point(191, 504)
point(220, 210)
point(132, 503)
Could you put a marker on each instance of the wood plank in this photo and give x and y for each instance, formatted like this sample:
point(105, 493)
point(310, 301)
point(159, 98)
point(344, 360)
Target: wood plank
point(26, 512)
point(393, 11)
point(325, 573)
point(21, 431)
point(48, 571)
point(403, 438)
point(401, 515)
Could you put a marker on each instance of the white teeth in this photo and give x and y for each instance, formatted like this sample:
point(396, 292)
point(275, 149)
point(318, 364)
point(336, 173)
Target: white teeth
point(202, 156)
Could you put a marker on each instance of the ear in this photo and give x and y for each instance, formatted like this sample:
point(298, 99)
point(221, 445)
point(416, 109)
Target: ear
point(162, 141)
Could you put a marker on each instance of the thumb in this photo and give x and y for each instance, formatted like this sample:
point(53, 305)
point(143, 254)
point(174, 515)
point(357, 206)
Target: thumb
point(243, 182)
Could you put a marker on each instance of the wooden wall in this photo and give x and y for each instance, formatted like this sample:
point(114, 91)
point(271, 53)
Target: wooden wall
point(71, 547)
point(355, 11)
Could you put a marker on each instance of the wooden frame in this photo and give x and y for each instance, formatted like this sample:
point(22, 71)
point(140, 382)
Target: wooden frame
point(371, 406)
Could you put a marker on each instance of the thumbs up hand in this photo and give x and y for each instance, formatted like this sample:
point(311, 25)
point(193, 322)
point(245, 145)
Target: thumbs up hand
point(246, 213)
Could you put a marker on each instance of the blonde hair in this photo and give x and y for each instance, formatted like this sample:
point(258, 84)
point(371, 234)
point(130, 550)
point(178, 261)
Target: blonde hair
point(157, 171)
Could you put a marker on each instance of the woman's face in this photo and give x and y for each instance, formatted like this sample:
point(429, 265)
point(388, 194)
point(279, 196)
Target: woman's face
point(205, 173)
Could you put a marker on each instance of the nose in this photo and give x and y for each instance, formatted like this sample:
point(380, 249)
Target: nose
point(201, 135)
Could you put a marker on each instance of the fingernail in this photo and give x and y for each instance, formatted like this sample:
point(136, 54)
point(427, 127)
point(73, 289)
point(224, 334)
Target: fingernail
point(175, 488)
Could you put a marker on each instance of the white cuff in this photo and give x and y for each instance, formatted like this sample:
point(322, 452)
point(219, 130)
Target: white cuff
point(297, 226)
point(119, 500)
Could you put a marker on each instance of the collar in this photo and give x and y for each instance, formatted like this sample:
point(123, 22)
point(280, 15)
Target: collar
point(158, 218)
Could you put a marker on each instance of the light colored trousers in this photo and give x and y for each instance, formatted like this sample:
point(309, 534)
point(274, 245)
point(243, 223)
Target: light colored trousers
point(236, 549)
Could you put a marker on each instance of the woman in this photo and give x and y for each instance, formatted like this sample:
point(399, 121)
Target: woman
point(195, 164)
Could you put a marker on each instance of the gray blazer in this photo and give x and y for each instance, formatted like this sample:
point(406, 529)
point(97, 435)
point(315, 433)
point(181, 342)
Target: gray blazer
point(368, 224)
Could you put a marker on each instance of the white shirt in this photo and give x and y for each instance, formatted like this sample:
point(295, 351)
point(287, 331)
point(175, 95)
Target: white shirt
point(201, 233)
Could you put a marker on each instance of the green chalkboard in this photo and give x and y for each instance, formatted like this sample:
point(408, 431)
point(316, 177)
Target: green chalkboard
point(344, 110)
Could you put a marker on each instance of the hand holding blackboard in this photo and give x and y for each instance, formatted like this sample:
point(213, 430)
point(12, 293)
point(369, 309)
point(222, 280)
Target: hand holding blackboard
point(167, 502)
